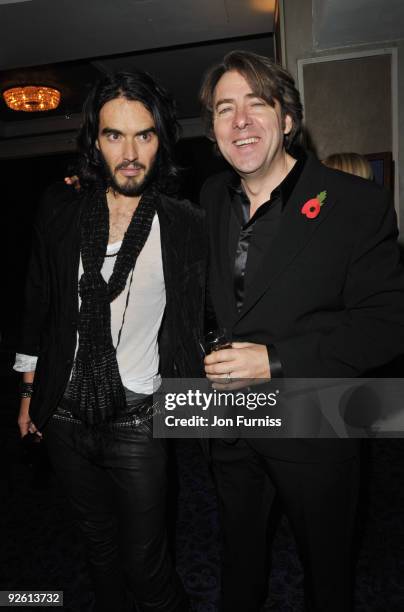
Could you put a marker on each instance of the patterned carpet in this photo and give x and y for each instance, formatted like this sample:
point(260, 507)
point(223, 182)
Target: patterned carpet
point(41, 550)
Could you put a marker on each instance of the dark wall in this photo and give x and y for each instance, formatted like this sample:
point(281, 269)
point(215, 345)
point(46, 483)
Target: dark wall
point(198, 158)
point(22, 180)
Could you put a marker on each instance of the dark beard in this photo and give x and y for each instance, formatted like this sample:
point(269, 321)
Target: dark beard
point(129, 190)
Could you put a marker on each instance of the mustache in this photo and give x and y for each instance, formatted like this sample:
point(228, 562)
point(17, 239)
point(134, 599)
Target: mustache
point(134, 164)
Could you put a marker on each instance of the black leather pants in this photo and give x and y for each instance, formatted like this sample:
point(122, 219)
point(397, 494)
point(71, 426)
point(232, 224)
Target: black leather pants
point(119, 498)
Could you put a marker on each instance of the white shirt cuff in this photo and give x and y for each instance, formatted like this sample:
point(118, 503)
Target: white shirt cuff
point(25, 363)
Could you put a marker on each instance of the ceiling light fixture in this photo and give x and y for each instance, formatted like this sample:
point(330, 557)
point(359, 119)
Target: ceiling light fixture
point(32, 98)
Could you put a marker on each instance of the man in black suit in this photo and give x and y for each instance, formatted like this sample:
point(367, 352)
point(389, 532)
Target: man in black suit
point(304, 271)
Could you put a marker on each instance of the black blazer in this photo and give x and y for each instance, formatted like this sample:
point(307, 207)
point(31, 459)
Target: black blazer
point(330, 292)
point(51, 298)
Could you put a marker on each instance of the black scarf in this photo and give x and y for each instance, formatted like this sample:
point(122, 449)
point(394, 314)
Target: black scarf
point(96, 394)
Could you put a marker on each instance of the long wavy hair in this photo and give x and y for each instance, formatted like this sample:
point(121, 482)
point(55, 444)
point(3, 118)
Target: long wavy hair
point(141, 87)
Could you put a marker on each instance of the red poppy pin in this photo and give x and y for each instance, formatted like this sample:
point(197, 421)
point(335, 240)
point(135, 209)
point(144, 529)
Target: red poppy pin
point(312, 207)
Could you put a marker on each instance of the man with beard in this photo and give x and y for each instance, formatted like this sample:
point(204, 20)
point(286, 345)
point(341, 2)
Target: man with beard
point(105, 316)
point(305, 275)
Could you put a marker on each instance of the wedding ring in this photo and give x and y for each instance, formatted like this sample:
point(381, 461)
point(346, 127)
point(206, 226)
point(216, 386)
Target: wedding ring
point(228, 379)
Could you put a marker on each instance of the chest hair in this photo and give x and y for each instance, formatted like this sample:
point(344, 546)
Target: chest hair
point(119, 219)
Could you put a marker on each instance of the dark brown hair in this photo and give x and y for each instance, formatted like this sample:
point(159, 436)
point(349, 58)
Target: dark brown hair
point(267, 80)
point(141, 87)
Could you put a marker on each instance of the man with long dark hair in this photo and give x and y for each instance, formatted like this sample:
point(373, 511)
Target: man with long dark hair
point(305, 275)
point(104, 313)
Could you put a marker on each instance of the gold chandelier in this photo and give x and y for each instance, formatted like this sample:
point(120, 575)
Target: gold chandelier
point(32, 98)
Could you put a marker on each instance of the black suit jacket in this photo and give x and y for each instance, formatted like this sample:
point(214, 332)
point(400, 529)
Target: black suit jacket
point(50, 320)
point(329, 294)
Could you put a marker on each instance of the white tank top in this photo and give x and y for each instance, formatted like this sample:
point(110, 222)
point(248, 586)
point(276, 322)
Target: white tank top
point(137, 353)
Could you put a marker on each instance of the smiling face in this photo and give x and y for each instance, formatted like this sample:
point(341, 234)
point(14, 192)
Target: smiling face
point(128, 144)
point(249, 131)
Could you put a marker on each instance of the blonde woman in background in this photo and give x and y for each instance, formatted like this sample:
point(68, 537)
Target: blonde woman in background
point(353, 163)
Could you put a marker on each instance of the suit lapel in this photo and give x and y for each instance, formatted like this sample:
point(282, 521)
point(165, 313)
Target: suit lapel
point(295, 231)
point(169, 234)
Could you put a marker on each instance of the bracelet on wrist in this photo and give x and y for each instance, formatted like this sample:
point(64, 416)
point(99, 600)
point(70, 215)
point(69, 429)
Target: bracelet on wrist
point(26, 389)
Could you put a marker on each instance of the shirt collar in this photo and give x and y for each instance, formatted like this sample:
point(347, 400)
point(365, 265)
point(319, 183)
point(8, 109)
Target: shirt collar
point(284, 189)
